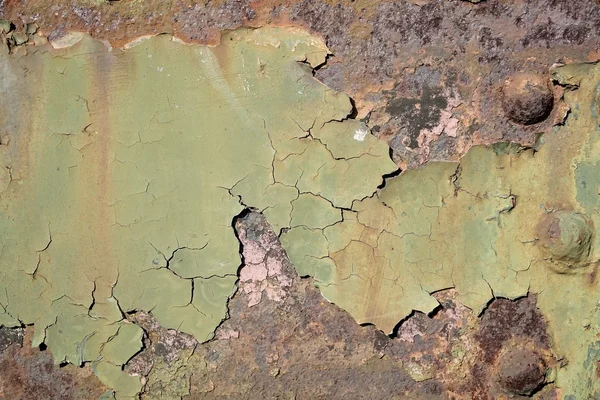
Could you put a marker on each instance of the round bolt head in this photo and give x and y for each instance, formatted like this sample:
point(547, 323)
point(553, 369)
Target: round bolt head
point(527, 98)
point(520, 371)
point(566, 236)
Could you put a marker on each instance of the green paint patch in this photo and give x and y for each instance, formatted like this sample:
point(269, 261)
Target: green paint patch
point(503, 222)
point(588, 182)
point(119, 184)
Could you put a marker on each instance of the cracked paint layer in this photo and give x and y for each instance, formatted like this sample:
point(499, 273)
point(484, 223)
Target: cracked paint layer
point(120, 181)
point(504, 222)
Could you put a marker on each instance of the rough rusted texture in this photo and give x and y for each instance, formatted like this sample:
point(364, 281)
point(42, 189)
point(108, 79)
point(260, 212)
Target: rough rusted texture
point(439, 346)
point(28, 373)
point(527, 98)
point(9, 336)
point(521, 371)
point(461, 350)
point(511, 335)
point(504, 319)
point(298, 344)
point(426, 74)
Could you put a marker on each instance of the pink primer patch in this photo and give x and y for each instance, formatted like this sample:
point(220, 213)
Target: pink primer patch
point(274, 266)
point(253, 272)
point(227, 334)
point(254, 253)
point(263, 271)
point(448, 124)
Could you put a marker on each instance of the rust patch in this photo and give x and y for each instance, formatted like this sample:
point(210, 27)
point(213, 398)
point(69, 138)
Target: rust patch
point(520, 371)
point(10, 336)
point(527, 98)
point(499, 369)
point(507, 319)
point(28, 373)
point(376, 45)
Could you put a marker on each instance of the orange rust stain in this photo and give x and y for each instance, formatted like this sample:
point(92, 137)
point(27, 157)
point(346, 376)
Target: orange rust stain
point(22, 146)
point(94, 184)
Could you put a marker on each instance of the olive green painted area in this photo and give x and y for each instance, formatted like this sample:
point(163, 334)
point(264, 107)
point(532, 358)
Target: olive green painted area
point(128, 337)
point(314, 211)
point(122, 175)
point(127, 386)
point(504, 222)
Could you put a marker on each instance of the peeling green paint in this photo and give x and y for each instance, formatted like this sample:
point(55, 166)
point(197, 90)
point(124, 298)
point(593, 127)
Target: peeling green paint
point(123, 345)
point(120, 182)
point(127, 386)
point(503, 222)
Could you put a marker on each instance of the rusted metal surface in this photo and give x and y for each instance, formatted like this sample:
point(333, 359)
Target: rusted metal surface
point(29, 373)
point(427, 75)
point(430, 77)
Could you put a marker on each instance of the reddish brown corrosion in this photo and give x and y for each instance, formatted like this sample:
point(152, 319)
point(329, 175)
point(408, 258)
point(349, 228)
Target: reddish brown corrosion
point(413, 68)
point(397, 60)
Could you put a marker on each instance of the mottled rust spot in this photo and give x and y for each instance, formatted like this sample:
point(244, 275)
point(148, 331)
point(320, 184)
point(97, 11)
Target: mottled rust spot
point(527, 98)
point(505, 319)
point(10, 336)
point(498, 367)
point(521, 371)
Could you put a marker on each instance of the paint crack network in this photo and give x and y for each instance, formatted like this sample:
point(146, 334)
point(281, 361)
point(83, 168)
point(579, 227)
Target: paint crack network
point(125, 168)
